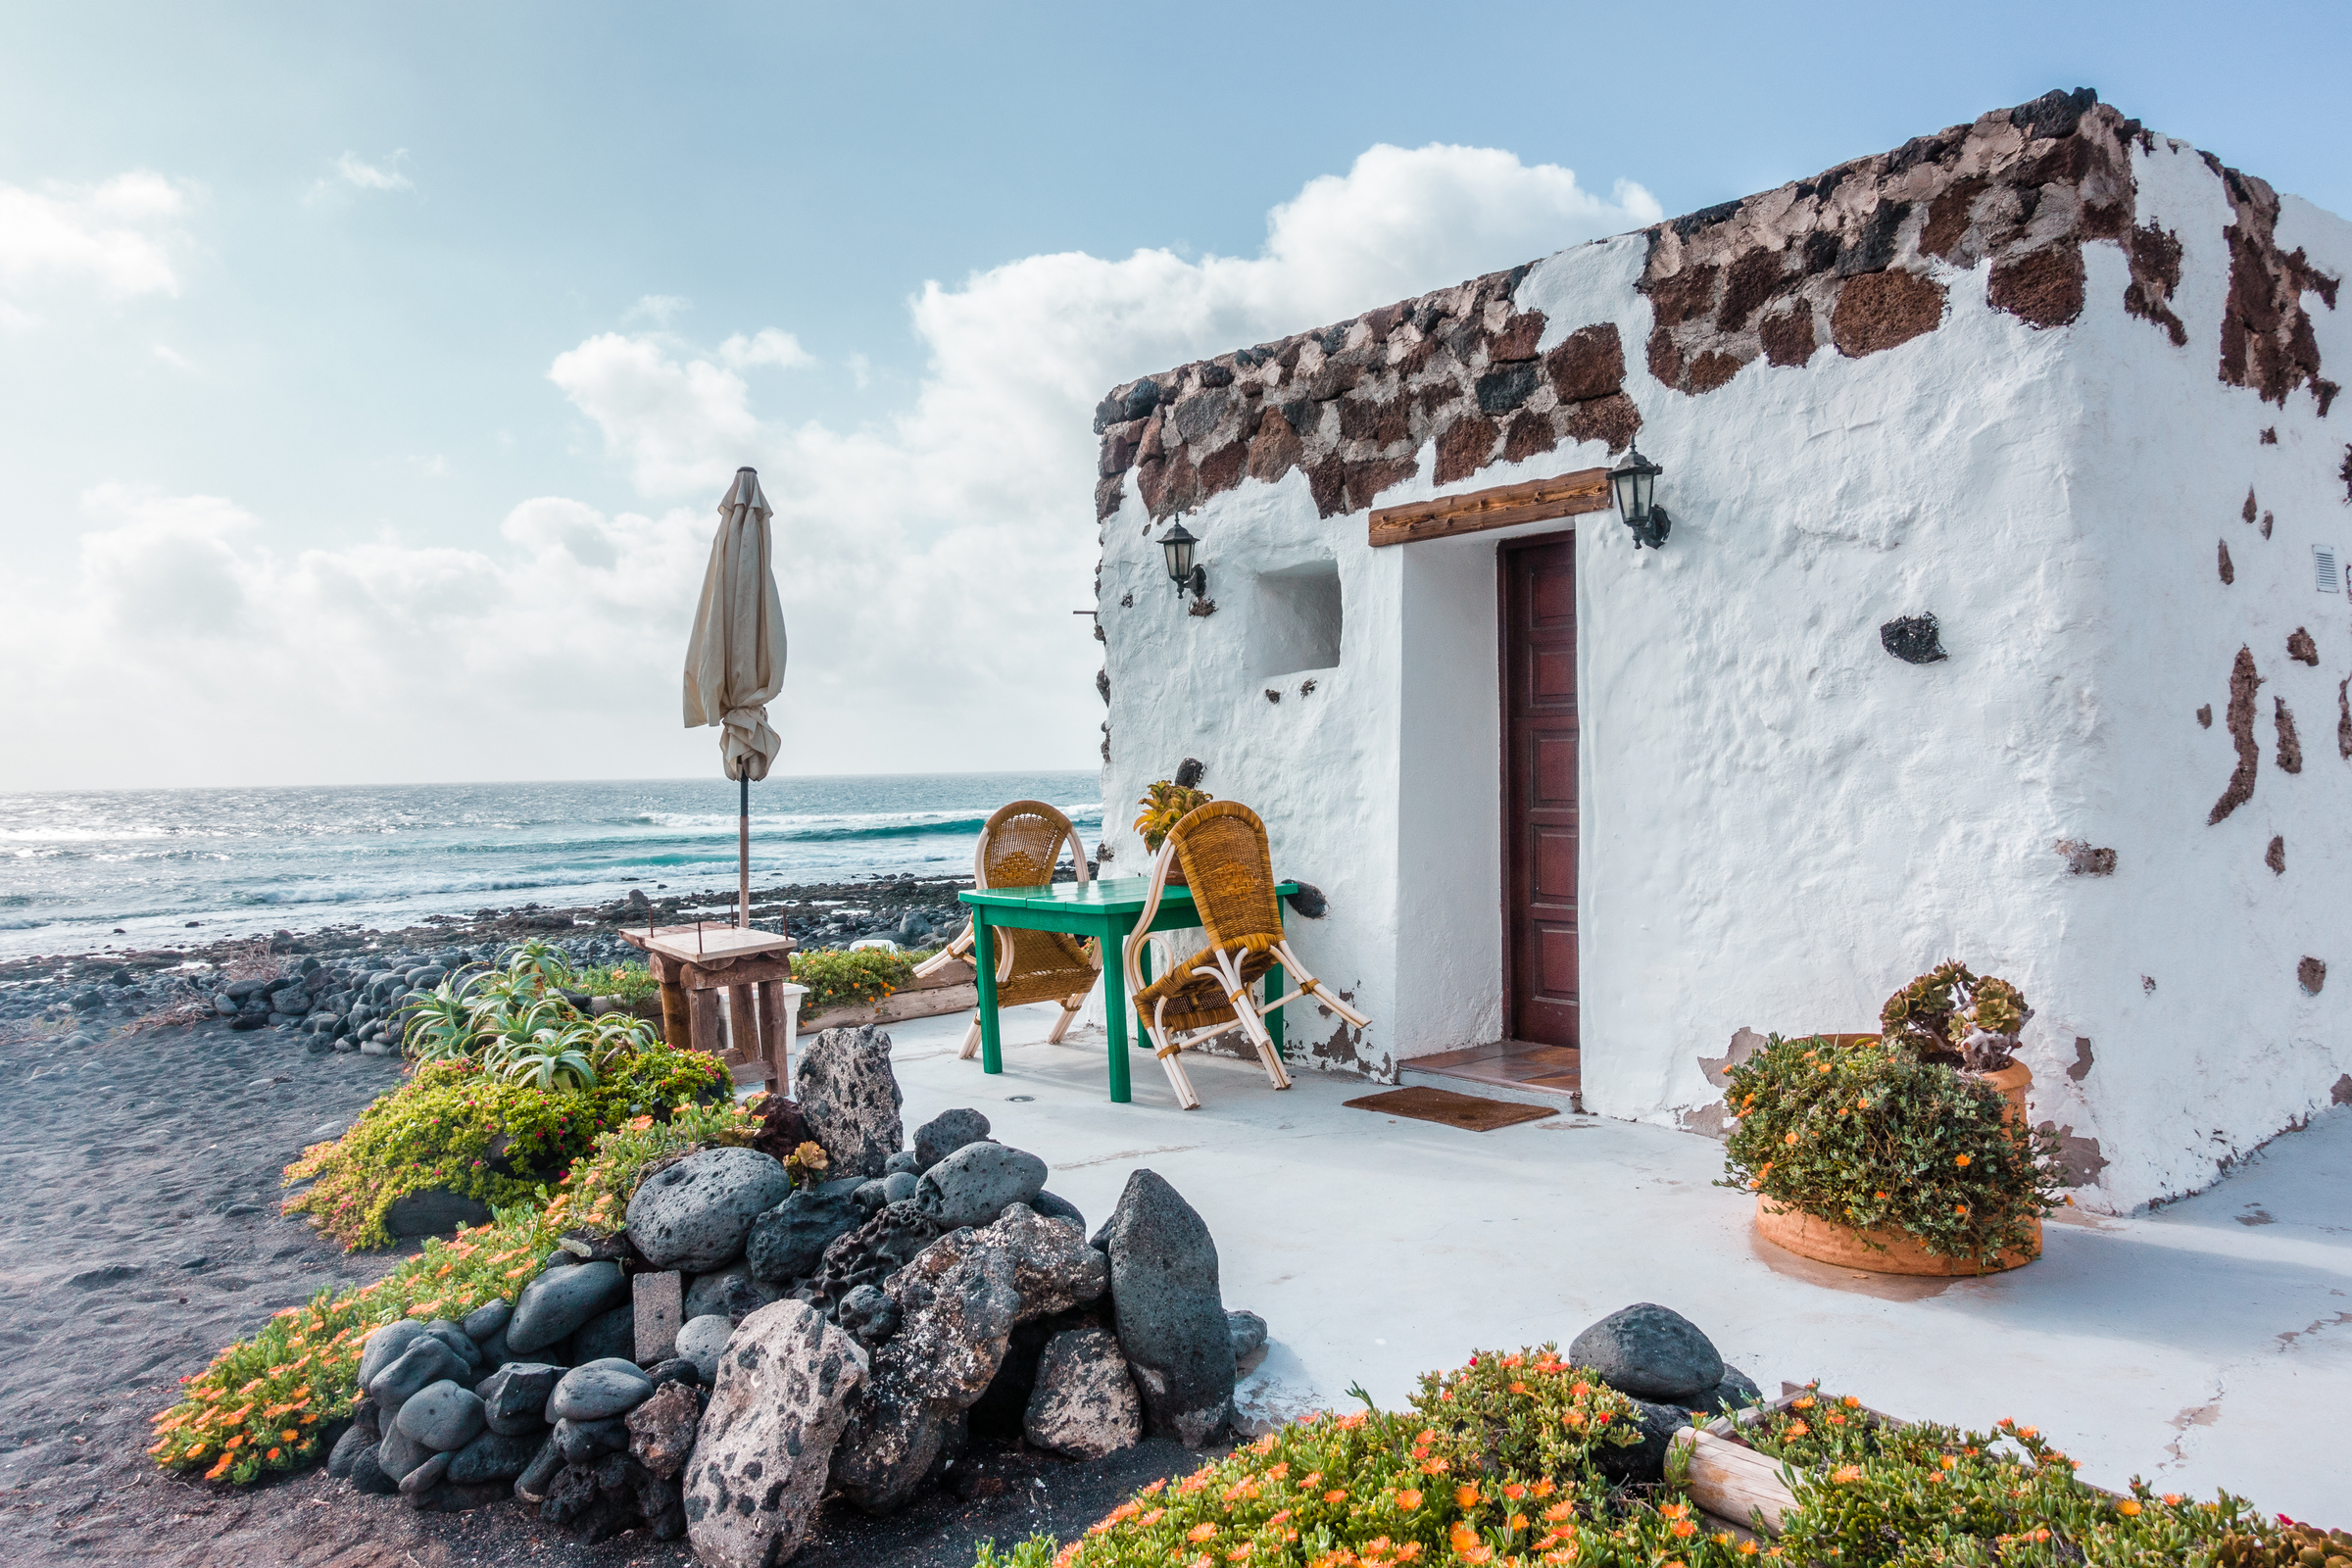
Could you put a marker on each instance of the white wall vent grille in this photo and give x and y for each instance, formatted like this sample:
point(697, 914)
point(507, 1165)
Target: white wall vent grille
point(2323, 568)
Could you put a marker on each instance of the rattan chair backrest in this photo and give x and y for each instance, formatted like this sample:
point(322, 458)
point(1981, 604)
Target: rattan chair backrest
point(1020, 845)
point(1227, 863)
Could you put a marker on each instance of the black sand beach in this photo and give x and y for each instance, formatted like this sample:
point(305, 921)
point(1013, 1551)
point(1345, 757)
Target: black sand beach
point(142, 1235)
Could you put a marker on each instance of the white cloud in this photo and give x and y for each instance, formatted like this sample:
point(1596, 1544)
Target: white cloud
point(118, 236)
point(658, 309)
point(765, 347)
point(174, 358)
point(927, 565)
point(354, 173)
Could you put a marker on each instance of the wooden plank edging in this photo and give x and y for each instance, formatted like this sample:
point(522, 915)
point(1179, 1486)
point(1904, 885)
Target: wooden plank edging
point(1502, 507)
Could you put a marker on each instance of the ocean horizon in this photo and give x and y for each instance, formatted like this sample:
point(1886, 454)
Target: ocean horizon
point(86, 868)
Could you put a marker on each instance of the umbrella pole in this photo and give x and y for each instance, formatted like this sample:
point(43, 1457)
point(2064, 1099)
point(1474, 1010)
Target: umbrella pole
point(743, 853)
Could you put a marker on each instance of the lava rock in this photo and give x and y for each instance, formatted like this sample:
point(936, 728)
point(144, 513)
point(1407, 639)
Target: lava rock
point(946, 1133)
point(1084, 1402)
point(906, 1162)
point(973, 1185)
point(1249, 1332)
point(782, 1129)
point(1170, 1312)
point(871, 1194)
point(514, 1397)
point(1060, 1208)
point(866, 1315)
point(607, 1335)
point(701, 1341)
point(443, 1416)
point(560, 1301)
point(494, 1456)
point(586, 1442)
point(695, 1215)
point(870, 1253)
point(456, 1339)
point(418, 1484)
point(598, 1390)
point(1646, 1461)
point(760, 1461)
point(531, 1485)
point(731, 1292)
point(662, 1430)
point(788, 1241)
point(677, 1369)
point(1650, 1351)
point(897, 1187)
point(1735, 1392)
point(425, 1362)
point(851, 1100)
point(367, 1476)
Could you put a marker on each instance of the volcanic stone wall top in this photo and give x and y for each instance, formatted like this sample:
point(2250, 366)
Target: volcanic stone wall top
point(1841, 261)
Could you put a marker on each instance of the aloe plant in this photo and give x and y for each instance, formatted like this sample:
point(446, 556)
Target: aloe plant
point(439, 1025)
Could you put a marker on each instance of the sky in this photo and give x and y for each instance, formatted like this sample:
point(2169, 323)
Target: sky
point(370, 373)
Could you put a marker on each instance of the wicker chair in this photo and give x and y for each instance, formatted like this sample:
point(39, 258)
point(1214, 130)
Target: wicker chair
point(1222, 848)
point(1019, 848)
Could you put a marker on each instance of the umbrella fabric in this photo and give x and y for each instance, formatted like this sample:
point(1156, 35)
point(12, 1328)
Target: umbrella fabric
point(735, 661)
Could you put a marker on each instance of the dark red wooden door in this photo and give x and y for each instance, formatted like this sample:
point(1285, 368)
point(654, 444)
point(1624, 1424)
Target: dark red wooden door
point(1538, 789)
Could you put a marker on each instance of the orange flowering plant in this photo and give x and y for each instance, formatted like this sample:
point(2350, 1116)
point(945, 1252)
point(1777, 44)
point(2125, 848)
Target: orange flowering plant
point(273, 1402)
point(1869, 1136)
point(1871, 1492)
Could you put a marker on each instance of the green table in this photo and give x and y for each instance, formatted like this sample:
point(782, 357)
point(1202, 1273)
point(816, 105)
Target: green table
point(1106, 910)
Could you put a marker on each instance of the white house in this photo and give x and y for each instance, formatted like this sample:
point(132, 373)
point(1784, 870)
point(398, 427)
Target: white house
point(2055, 379)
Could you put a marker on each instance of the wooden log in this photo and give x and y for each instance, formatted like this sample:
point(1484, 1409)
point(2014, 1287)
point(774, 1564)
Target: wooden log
point(1735, 1482)
point(705, 1032)
point(913, 1003)
point(1538, 500)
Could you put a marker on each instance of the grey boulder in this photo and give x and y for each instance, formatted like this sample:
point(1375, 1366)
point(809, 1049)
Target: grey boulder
point(425, 1362)
point(760, 1458)
point(973, 1185)
point(788, 1241)
point(384, 1347)
point(514, 1398)
point(586, 1442)
point(701, 1341)
point(443, 1416)
point(867, 1315)
point(1650, 1351)
point(898, 1186)
point(608, 1335)
point(1170, 1311)
point(946, 1133)
point(1084, 1402)
point(494, 1456)
point(1060, 1208)
point(399, 1453)
point(361, 1436)
point(486, 1320)
point(599, 1390)
point(434, 1211)
point(695, 1215)
point(560, 1301)
point(851, 1100)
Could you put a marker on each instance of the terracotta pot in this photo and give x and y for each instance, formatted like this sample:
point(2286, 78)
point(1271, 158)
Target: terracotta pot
point(1808, 1236)
point(1826, 1242)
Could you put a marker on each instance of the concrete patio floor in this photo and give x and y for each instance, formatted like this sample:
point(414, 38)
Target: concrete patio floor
point(2207, 1346)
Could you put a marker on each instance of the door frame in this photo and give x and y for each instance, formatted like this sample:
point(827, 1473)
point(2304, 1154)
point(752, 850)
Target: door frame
point(1503, 775)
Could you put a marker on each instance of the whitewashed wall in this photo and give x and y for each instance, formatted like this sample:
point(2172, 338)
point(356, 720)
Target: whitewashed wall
point(1780, 822)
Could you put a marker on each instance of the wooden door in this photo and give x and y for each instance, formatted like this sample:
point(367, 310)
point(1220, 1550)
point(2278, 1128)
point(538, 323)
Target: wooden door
point(1538, 789)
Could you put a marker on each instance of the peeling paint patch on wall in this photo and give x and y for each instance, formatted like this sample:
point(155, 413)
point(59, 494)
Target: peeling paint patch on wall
point(2311, 975)
point(2079, 1156)
point(2275, 855)
point(2229, 573)
point(2080, 1068)
point(2240, 720)
point(2299, 646)
point(2082, 860)
point(2290, 747)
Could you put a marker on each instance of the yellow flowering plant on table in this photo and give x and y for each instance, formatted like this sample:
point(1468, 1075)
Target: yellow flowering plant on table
point(273, 1402)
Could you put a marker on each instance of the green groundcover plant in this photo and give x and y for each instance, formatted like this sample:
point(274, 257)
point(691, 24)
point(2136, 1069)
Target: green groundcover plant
point(453, 1125)
point(1492, 1466)
point(271, 1402)
point(847, 978)
point(1868, 1136)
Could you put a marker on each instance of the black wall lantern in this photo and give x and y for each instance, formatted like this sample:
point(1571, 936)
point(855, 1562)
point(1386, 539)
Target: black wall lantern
point(1177, 545)
point(1635, 481)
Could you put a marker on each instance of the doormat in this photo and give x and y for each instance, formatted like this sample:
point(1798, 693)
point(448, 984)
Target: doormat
point(1442, 1105)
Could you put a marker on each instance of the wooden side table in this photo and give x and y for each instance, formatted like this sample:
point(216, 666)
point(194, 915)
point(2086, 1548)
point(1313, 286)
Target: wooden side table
point(694, 963)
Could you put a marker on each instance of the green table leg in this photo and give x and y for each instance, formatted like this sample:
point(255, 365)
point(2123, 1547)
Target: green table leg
point(1274, 979)
point(984, 960)
point(1114, 1008)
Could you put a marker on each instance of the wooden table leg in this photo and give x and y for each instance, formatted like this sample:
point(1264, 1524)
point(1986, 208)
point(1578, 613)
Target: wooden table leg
point(742, 1023)
point(984, 962)
point(1114, 1014)
point(771, 1035)
point(704, 1030)
point(677, 1032)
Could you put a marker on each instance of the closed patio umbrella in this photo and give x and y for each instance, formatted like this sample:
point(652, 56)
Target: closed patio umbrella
point(735, 661)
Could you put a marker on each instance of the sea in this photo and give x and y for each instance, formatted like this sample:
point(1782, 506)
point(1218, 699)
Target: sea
point(84, 871)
